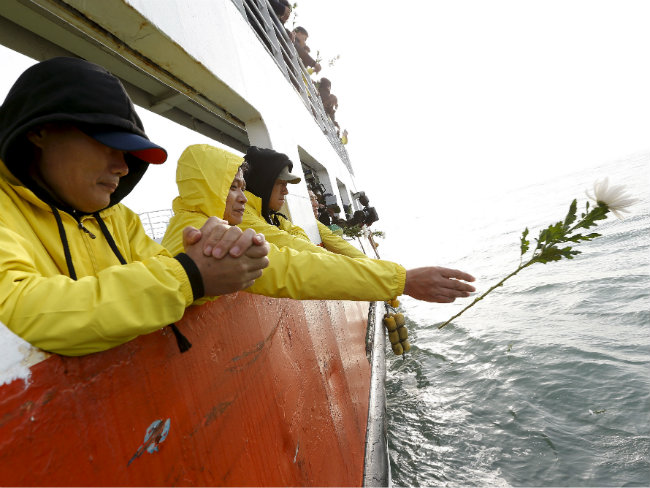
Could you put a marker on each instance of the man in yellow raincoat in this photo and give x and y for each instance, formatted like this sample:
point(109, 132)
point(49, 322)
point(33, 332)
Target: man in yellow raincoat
point(267, 177)
point(208, 185)
point(78, 274)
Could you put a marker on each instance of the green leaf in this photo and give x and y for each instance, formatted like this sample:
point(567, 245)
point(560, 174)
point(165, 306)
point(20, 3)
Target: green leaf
point(553, 253)
point(568, 253)
point(549, 254)
point(581, 238)
point(553, 233)
point(543, 235)
point(571, 216)
point(525, 243)
point(352, 231)
point(598, 213)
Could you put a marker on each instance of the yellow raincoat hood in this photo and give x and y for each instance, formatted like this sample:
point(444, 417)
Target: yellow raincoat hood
point(203, 175)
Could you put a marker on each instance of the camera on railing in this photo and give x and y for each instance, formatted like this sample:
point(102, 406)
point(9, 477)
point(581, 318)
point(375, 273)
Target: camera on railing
point(313, 182)
point(361, 196)
point(367, 215)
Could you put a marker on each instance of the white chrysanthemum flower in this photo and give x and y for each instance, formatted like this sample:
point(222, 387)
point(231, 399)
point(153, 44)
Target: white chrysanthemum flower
point(614, 197)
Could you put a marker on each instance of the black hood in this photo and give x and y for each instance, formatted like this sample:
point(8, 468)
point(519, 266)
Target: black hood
point(66, 90)
point(264, 166)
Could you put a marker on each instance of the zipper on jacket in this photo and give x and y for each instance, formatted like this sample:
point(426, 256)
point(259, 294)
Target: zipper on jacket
point(78, 217)
point(81, 226)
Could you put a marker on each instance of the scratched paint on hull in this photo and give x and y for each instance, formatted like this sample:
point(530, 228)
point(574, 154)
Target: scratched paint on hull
point(156, 434)
point(273, 392)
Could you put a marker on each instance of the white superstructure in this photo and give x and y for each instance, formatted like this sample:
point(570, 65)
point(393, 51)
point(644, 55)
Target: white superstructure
point(202, 64)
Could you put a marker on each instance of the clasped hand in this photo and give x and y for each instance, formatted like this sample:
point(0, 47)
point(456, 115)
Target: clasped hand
point(228, 258)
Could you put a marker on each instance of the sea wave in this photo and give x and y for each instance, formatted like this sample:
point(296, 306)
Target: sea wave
point(544, 383)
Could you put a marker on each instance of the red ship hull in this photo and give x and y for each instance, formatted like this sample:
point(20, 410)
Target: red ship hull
point(273, 392)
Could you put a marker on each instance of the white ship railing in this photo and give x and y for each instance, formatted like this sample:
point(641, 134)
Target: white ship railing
point(376, 467)
point(155, 223)
point(273, 36)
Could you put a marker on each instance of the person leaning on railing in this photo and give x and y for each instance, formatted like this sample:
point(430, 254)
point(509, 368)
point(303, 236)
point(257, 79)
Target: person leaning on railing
point(78, 274)
point(282, 9)
point(210, 183)
point(300, 36)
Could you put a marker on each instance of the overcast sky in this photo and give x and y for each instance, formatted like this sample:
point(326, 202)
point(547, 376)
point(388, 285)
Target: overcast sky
point(453, 100)
point(446, 101)
point(491, 88)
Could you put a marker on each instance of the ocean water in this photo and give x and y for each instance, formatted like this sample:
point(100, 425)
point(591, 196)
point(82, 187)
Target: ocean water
point(546, 382)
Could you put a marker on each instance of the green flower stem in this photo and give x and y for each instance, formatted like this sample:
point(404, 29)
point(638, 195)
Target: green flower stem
point(478, 299)
point(547, 249)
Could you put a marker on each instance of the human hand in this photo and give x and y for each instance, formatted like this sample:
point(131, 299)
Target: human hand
point(260, 247)
point(228, 273)
point(436, 284)
point(222, 239)
point(317, 68)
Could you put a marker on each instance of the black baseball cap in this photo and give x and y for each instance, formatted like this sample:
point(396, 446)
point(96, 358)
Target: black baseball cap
point(74, 91)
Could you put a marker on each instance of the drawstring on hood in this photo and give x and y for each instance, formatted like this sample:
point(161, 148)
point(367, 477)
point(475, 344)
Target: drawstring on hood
point(66, 247)
point(64, 242)
point(108, 237)
point(273, 217)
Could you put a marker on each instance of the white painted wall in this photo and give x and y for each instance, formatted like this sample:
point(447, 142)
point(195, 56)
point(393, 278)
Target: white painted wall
point(215, 34)
point(210, 46)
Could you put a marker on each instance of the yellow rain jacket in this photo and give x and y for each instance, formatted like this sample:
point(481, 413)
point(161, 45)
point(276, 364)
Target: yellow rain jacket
point(288, 226)
point(337, 244)
point(109, 303)
point(287, 235)
point(331, 241)
point(297, 268)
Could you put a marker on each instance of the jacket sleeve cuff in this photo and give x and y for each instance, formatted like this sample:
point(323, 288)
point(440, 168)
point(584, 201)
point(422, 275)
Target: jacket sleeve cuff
point(193, 273)
point(401, 280)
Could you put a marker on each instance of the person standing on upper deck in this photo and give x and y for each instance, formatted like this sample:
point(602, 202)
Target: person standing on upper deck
point(282, 9)
point(300, 43)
